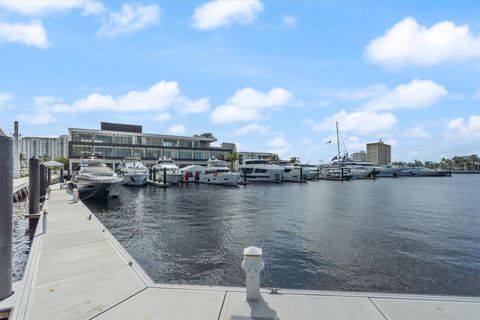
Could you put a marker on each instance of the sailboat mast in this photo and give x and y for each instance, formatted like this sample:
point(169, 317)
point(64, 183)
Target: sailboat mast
point(338, 142)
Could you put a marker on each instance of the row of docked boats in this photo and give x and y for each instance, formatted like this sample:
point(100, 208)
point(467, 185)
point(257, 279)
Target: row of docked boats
point(94, 179)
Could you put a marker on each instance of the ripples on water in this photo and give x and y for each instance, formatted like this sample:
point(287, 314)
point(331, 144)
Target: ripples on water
point(409, 235)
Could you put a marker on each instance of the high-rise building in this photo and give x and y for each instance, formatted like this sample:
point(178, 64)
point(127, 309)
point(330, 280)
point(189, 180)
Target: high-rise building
point(379, 153)
point(44, 147)
point(359, 156)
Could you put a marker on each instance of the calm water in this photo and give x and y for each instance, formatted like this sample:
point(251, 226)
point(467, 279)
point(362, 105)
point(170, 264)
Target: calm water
point(415, 235)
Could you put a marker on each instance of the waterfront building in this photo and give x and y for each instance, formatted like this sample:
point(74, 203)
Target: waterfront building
point(244, 155)
point(44, 147)
point(359, 156)
point(379, 153)
point(117, 141)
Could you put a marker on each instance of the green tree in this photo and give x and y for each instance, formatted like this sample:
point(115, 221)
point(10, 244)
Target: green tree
point(63, 160)
point(275, 157)
point(233, 156)
point(45, 158)
point(207, 135)
point(22, 156)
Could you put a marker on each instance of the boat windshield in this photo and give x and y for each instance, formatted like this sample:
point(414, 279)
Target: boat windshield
point(217, 163)
point(257, 161)
point(134, 165)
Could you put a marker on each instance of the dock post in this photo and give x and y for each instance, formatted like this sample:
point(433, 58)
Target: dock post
point(43, 181)
point(252, 264)
point(33, 192)
point(245, 176)
point(164, 175)
point(62, 179)
point(150, 173)
point(154, 174)
point(49, 176)
point(301, 173)
point(6, 214)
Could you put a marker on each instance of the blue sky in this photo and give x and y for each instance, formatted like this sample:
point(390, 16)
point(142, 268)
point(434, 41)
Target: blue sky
point(267, 75)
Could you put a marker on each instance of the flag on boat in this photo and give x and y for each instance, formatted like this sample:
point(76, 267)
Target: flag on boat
point(334, 158)
point(329, 141)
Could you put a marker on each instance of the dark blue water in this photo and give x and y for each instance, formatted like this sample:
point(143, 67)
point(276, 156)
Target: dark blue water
point(404, 235)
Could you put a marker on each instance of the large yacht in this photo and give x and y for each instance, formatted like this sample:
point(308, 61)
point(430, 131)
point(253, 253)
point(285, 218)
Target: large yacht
point(217, 172)
point(261, 171)
point(133, 171)
point(424, 172)
point(172, 171)
point(291, 172)
point(94, 179)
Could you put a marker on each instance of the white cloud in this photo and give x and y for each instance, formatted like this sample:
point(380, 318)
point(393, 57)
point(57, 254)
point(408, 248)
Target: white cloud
point(43, 7)
point(253, 128)
point(289, 21)
point(418, 132)
point(408, 43)
point(361, 94)
point(129, 19)
point(246, 105)
point(279, 145)
point(5, 98)
point(415, 94)
point(177, 129)
point(361, 122)
point(30, 34)
point(159, 97)
point(164, 116)
point(221, 13)
point(459, 128)
point(36, 118)
point(197, 106)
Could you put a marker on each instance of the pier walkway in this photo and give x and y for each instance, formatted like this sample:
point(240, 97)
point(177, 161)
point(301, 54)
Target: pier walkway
point(77, 270)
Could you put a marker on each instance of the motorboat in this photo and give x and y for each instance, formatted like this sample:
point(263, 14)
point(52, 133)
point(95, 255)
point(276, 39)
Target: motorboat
point(94, 179)
point(310, 172)
point(192, 173)
point(133, 171)
point(424, 172)
point(388, 171)
point(335, 174)
point(217, 172)
point(260, 170)
point(172, 172)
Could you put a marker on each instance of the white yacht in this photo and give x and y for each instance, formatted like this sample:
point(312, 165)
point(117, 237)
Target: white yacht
point(424, 172)
point(133, 171)
point(94, 179)
point(217, 172)
point(172, 171)
point(261, 171)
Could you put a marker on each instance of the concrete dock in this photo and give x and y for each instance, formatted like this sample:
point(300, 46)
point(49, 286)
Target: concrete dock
point(77, 270)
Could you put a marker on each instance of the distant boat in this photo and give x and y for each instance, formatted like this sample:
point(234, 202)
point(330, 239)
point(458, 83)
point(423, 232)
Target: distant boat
point(424, 172)
point(133, 171)
point(260, 170)
point(217, 172)
point(172, 171)
point(95, 179)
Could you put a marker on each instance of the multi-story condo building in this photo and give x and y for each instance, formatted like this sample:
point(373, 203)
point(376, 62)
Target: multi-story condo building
point(44, 147)
point(359, 156)
point(379, 153)
point(117, 141)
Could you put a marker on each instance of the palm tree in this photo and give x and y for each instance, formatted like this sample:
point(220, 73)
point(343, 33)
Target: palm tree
point(233, 156)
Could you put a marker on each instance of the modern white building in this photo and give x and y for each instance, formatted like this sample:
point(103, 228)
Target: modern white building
point(43, 147)
point(359, 156)
point(379, 153)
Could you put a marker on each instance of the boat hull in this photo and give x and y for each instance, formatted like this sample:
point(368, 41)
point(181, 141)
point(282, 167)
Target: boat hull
point(135, 179)
point(226, 179)
point(100, 190)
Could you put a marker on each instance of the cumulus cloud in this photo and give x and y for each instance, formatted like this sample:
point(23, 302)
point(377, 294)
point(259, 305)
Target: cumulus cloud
point(5, 98)
point(129, 19)
point(43, 7)
point(289, 21)
point(361, 122)
point(415, 94)
point(159, 97)
point(253, 128)
point(30, 34)
point(177, 129)
point(459, 128)
point(164, 116)
point(306, 141)
point(408, 43)
point(246, 105)
point(279, 145)
point(417, 132)
point(197, 106)
point(36, 118)
point(221, 13)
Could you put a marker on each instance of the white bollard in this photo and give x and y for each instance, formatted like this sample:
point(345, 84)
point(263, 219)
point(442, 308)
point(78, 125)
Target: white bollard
point(252, 264)
point(44, 221)
point(75, 195)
